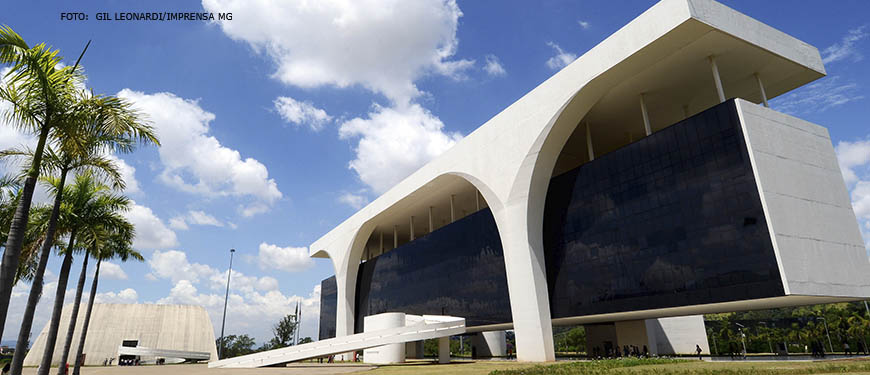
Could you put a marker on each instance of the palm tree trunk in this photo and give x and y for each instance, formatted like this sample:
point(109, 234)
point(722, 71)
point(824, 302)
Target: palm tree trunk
point(64, 355)
point(15, 239)
point(36, 285)
point(87, 322)
point(54, 323)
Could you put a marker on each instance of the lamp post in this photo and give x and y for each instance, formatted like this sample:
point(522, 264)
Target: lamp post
point(226, 298)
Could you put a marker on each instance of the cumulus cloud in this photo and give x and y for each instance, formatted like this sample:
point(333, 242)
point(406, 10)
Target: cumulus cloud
point(255, 304)
point(301, 113)
point(196, 162)
point(493, 67)
point(290, 259)
point(394, 142)
point(854, 158)
point(128, 295)
point(845, 48)
point(194, 217)
point(584, 24)
point(383, 46)
point(151, 233)
point(128, 173)
point(356, 201)
point(561, 59)
point(111, 270)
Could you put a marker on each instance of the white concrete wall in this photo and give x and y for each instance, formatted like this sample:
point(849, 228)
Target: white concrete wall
point(489, 344)
point(174, 327)
point(816, 235)
point(677, 335)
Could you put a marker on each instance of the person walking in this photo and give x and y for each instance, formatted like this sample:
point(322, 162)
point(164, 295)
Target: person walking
point(698, 350)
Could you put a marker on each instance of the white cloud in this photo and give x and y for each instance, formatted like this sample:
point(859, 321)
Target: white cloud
point(846, 47)
point(819, 96)
point(584, 24)
point(561, 59)
point(194, 217)
point(111, 270)
point(382, 45)
point(493, 67)
point(301, 113)
point(128, 295)
point(356, 201)
point(151, 233)
point(861, 200)
point(173, 265)
point(289, 259)
point(853, 156)
point(195, 161)
point(394, 142)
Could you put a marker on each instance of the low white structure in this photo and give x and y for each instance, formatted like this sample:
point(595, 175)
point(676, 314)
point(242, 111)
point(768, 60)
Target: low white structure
point(175, 328)
point(678, 59)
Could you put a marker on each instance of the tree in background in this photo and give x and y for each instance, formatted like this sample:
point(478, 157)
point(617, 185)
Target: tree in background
point(237, 345)
point(284, 331)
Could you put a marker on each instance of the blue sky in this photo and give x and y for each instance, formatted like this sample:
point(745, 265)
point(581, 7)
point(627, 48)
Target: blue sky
point(279, 124)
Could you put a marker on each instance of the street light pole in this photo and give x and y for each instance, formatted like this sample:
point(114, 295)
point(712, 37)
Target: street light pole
point(226, 298)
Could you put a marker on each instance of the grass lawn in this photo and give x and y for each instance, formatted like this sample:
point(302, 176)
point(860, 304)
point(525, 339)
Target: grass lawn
point(676, 367)
point(458, 367)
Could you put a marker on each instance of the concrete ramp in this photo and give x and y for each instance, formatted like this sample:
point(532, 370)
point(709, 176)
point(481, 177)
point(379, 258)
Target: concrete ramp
point(187, 356)
point(421, 328)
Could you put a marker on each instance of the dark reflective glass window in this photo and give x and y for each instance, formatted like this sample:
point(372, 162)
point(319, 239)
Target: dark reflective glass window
point(328, 301)
point(673, 219)
point(456, 270)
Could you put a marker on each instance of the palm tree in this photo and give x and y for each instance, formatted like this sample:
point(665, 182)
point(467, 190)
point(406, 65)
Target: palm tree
point(87, 203)
point(97, 125)
point(39, 90)
point(104, 246)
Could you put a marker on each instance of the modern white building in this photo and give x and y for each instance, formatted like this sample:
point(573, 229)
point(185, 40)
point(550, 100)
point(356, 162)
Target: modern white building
point(647, 179)
point(137, 331)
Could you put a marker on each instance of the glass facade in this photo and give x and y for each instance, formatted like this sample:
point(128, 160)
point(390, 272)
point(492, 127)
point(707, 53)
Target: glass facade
point(455, 270)
point(673, 219)
point(328, 301)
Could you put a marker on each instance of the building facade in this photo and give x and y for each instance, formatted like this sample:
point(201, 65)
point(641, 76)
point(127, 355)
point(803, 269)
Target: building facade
point(646, 180)
point(174, 332)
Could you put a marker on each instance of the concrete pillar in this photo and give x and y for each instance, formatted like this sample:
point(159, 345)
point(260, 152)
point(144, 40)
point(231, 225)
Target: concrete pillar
point(444, 350)
point(716, 79)
point(414, 349)
point(489, 344)
point(344, 314)
point(646, 126)
point(395, 236)
point(761, 88)
point(412, 228)
point(452, 208)
point(392, 353)
point(431, 223)
point(527, 279)
point(589, 142)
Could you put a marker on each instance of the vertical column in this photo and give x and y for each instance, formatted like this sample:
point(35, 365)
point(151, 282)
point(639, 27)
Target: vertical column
point(395, 236)
point(761, 88)
point(431, 224)
point(412, 228)
point(589, 142)
point(452, 207)
point(646, 126)
point(717, 79)
point(526, 278)
point(444, 350)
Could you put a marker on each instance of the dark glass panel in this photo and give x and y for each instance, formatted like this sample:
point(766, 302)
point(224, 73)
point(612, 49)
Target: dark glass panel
point(328, 301)
point(456, 270)
point(673, 219)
